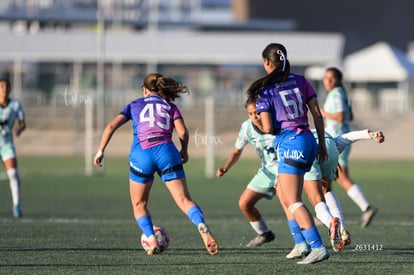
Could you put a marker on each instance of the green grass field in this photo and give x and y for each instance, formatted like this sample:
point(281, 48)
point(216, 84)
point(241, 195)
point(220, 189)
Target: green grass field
point(84, 225)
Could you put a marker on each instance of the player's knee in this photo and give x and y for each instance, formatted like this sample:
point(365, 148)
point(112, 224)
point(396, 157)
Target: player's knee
point(244, 205)
point(294, 206)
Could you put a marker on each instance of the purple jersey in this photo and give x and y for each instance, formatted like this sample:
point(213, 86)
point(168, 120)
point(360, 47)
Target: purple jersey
point(152, 119)
point(287, 102)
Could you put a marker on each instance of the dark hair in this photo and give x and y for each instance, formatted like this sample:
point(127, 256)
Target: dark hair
point(337, 74)
point(166, 87)
point(276, 53)
point(8, 84)
point(249, 101)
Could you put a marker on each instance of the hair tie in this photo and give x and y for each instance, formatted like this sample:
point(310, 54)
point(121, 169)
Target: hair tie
point(282, 58)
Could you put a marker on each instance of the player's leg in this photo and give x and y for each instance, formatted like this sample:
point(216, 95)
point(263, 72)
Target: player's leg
point(141, 179)
point(171, 170)
point(290, 190)
point(336, 209)
point(247, 205)
point(301, 248)
point(8, 154)
point(292, 168)
point(179, 191)
point(139, 193)
point(353, 190)
point(261, 186)
point(290, 187)
point(313, 190)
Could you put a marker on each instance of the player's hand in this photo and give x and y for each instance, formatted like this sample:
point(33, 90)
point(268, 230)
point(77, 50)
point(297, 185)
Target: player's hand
point(322, 155)
point(184, 156)
point(378, 137)
point(220, 172)
point(98, 158)
point(18, 131)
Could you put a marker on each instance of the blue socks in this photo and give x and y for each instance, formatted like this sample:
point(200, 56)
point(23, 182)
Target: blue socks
point(312, 237)
point(145, 223)
point(295, 231)
point(195, 215)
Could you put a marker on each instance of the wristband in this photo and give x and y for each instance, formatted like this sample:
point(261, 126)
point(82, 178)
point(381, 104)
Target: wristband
point(99, 154)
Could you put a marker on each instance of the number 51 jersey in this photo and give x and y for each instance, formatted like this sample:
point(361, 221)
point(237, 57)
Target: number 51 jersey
point(287, 102)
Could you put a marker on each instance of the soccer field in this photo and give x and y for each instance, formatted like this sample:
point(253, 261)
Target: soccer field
point(84, 225)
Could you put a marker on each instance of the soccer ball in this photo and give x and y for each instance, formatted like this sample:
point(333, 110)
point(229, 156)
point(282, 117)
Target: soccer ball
point(162, 237)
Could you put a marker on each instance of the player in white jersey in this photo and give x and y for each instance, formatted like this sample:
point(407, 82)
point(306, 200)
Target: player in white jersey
point(10, 112)
point(337, 116)
point(261, 185)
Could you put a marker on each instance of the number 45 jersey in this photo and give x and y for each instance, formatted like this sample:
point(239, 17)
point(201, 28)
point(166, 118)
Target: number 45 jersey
point(286, 102)
point(152, 119)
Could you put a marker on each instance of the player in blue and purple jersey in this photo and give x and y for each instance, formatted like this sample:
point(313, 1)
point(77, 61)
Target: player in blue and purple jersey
point(11, 111)
point(154, 117)
point(282, 100)
point(316, 181)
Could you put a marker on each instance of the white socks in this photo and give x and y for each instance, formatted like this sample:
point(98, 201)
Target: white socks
point(356, 194)
point(335, 207)
point(14, 185)
point(259, 226)
point(323, 213)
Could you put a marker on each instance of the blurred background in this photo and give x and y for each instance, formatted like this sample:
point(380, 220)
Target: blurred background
point(75, 63)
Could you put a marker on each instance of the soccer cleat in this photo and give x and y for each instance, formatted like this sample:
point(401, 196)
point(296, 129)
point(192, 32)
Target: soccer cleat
point(17, 211)
point(367, 216)
point(335, 235)
point(316, 255)
point(299, 251)
point(153, 246)
point(261, 239)
point(346, 237)
point(208, 239)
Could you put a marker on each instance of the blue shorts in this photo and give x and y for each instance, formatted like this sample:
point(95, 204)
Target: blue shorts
point(163, 159)
point(295, 151)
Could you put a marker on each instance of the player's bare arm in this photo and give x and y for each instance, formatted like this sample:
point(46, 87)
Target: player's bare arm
point(231, 160)
point(110, 128)
point(183, 136)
